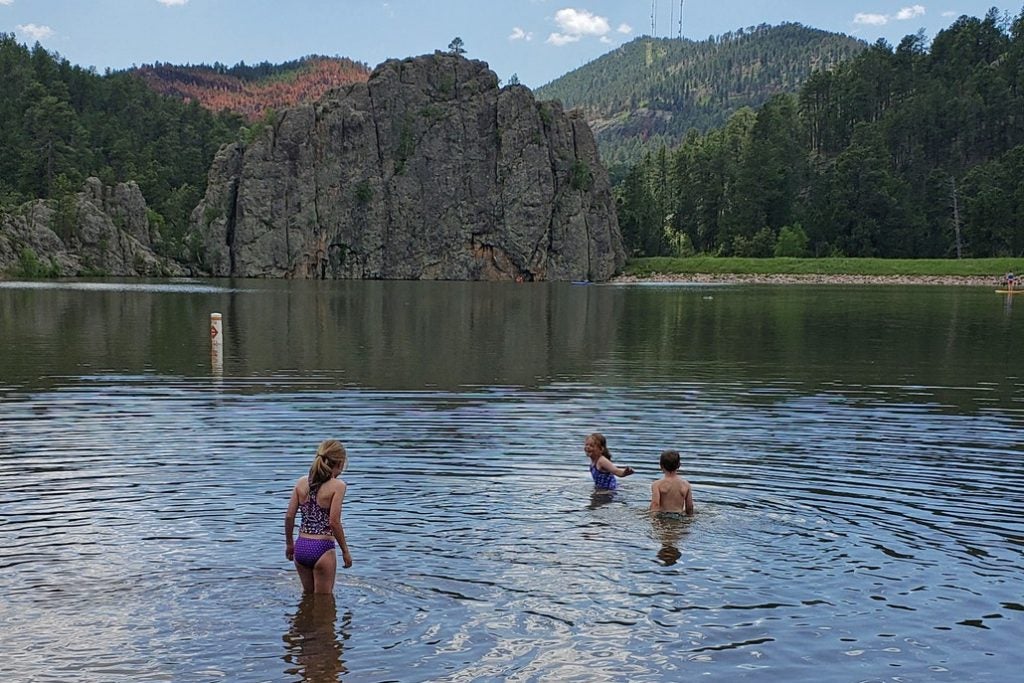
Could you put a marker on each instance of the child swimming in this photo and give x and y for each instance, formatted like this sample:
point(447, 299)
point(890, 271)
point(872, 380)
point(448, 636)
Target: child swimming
point(602, 469)
point(671, 493)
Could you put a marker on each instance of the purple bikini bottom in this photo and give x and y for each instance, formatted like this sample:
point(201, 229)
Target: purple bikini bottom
point(309, 550)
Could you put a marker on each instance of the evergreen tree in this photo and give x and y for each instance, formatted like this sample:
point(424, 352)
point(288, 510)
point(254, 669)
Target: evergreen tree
point(61, 123)
point(865, 158)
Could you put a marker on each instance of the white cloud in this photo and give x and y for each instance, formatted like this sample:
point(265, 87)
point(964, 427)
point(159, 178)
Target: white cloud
point(910, 12)
point(580, 22)
point(6, 2)
point(35, 32)
point(520, 34)
point(606, 40)
point(870, 19)
point(575, 24)
point(949, 13)
point(904, 14)
point(173, 3)
point(625, 28)
point(560, 39)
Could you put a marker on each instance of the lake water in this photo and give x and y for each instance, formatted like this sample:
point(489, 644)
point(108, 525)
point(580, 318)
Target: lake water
point(857, 456)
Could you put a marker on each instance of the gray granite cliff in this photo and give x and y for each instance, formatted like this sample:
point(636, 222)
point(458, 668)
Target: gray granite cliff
point(101, 230)
point(427, 171)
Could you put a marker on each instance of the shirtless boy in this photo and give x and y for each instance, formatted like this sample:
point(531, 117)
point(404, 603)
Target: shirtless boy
point(671, 493)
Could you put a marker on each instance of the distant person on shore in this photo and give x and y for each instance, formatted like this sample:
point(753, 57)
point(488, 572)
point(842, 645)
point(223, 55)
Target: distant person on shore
point(318, 496)
point(602, 469)
point(1010, 280)
point(671, 493)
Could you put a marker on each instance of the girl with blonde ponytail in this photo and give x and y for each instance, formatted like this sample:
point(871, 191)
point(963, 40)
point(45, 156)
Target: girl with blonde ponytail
point(318, 496)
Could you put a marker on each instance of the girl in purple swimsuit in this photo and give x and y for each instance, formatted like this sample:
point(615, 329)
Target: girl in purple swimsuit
point(318, 496)
point(602, 469)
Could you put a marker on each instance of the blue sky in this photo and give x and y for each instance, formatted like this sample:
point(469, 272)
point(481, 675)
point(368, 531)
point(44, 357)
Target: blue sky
point(538, 40)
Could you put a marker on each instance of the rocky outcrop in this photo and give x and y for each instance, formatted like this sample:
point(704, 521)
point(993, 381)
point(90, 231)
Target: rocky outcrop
point(427, 171)
point(102, 230)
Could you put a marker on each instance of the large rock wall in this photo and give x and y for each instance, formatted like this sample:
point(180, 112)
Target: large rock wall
point(102, 230)
point(427, 171)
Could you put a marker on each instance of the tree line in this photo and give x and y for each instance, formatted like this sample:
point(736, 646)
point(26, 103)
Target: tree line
point(60, 124)
point(913, 151)
point(253, 91)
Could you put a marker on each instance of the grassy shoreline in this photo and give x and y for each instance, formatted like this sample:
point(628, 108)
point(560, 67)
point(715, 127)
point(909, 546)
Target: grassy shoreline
point(989, 269)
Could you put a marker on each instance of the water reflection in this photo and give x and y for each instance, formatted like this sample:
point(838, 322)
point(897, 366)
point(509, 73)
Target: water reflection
point(868, 410)
point(670, 529)
point(314, 644)
point(402, 335)
point(601, 497)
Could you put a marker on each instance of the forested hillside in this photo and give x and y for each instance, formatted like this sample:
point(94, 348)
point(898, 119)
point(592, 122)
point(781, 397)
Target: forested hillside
point(253, 90)
point(60, 124)
point(916, 151)
point(651, 91)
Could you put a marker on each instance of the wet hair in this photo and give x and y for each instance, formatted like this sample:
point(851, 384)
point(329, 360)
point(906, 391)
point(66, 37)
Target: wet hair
point(602, 444)
point(329, 454)
point(670, 461)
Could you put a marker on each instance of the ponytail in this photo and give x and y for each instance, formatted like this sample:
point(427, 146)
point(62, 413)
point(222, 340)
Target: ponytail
point(329, 454)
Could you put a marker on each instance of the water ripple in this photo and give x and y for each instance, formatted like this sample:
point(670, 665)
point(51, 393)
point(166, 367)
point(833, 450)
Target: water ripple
point(141, 526)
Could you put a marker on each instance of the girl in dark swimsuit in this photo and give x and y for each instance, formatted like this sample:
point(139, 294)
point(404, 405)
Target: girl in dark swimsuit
point(318, 496)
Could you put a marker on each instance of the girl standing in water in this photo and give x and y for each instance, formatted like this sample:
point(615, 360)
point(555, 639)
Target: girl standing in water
point(318, 496)
point(602, 469)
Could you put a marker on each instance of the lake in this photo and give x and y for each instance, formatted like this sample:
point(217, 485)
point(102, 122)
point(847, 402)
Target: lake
point(857, 457)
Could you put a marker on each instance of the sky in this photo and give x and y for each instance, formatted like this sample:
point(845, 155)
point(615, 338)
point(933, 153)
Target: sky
point(535, 40)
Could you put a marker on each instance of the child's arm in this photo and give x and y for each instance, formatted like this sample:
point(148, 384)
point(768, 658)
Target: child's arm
point(608, 466)
point(655, 497)
point(689, 500)
point(289, 524)
point(336, 528)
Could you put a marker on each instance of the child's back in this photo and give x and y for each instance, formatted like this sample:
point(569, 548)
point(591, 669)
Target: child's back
point(671, 493)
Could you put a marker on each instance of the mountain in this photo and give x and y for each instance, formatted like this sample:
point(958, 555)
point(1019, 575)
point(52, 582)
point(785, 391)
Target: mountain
point(252, 90)
point(428, 171)
point(654, 90)
point(912, 152)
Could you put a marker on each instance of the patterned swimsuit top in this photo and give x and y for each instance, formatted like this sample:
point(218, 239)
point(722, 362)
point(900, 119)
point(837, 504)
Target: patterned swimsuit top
point(603, 480)
point(315, 519)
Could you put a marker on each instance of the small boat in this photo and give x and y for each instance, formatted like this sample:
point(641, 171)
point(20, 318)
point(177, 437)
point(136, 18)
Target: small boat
point(1010, 291)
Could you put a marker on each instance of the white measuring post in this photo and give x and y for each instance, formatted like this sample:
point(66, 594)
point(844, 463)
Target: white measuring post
point(216, 343)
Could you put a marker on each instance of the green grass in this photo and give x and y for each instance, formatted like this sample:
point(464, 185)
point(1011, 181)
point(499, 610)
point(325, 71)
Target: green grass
point(642, 267)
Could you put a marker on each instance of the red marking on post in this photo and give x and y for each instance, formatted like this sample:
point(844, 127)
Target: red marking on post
point(213, 332)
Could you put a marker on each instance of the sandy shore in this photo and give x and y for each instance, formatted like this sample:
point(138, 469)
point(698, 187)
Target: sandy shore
point(811, 279)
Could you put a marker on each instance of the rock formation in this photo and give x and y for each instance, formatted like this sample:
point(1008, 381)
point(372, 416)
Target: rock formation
point(427, 171)
point(102, 230)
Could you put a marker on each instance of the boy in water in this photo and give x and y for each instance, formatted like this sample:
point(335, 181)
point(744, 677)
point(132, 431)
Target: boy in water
point(671, 493)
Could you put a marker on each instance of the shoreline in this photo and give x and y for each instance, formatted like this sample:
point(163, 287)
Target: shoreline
point(694, 279)
point(808, 279)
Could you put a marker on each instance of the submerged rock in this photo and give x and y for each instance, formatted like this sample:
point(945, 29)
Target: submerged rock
point(427, 171)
